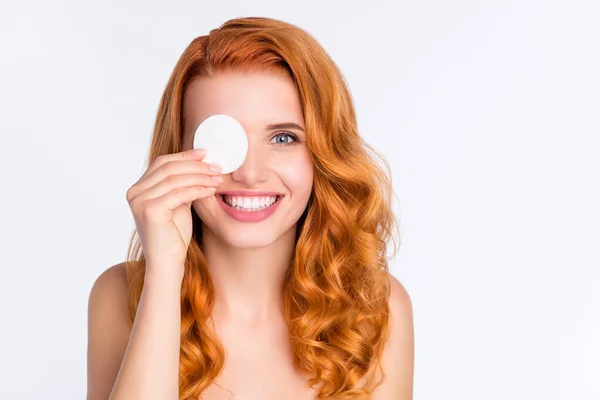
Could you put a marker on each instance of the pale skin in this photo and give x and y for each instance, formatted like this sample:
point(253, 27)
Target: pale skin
point(247, 262)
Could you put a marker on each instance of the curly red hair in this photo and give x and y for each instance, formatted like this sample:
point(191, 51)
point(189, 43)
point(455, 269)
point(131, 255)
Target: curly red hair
point(337, 286)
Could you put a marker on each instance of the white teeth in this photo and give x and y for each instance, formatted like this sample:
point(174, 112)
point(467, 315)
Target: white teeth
point(249, 203)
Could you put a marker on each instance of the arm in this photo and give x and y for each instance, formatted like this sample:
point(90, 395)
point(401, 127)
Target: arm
point(398, 356)
point(139, 361)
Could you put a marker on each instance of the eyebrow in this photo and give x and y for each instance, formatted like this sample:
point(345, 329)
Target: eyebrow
point(285, 125)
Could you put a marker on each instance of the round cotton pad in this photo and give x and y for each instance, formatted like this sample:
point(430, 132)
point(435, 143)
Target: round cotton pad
point(224, 140)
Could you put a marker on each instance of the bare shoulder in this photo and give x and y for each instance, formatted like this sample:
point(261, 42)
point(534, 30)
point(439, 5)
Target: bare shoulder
point(400, 301)
point(108, 330)
point(398, 356)
point(113, 279)
point(109, 293)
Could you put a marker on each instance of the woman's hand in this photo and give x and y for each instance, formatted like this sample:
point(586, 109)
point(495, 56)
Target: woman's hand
point(161, 205)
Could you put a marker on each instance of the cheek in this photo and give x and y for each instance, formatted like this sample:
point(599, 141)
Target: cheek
point(206, 208)
point(296, 173)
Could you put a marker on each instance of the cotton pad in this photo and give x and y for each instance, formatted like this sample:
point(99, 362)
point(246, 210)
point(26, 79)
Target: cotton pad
point(224, 140)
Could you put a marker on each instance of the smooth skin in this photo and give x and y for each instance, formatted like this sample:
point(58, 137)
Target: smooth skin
point(247, 261)
point(160, 202)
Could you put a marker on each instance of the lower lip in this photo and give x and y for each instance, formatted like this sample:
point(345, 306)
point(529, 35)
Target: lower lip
point(248, 216)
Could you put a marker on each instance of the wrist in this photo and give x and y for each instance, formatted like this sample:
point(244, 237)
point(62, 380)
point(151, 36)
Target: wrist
point(164, 275)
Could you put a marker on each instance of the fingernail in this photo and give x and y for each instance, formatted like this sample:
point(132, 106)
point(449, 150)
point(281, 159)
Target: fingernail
point(214, 168)
point(217, 178)
point(199, 151)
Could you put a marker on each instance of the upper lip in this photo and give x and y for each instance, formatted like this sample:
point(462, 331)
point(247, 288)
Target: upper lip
point(248, 193)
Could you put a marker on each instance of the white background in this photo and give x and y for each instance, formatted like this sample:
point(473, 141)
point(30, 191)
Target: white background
point(487, 111)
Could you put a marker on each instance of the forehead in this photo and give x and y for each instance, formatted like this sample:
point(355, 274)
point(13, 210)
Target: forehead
point(255, 99)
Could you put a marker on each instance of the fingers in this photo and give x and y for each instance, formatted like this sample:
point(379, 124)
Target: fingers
point(180, 181)
point(188, 155)
point(173, 168)
point(175, 198)
point(163, 167)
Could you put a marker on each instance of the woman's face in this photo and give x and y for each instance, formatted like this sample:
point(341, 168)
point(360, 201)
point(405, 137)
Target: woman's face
point(278, 162)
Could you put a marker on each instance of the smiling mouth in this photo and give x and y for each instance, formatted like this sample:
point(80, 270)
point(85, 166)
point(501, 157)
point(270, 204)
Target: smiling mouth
point(249, 204)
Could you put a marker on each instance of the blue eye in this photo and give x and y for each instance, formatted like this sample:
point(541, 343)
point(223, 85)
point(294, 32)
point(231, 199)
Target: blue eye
point(280, 138)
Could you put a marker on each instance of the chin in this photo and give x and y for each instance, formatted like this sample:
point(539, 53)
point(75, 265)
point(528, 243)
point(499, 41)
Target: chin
point(249, 239)
point(249, 236)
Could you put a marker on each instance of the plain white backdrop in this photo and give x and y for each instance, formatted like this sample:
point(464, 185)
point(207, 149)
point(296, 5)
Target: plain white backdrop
point(487, 111)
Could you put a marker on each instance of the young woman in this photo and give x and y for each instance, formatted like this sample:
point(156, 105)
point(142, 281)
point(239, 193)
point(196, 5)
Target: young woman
point(286, 297)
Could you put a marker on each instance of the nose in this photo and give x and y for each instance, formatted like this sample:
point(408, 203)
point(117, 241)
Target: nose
point(254, 170)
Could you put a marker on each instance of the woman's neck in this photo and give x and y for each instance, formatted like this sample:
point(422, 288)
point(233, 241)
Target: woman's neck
point(248, 282)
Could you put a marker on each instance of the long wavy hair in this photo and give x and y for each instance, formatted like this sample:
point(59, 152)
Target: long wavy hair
point(337, 285)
